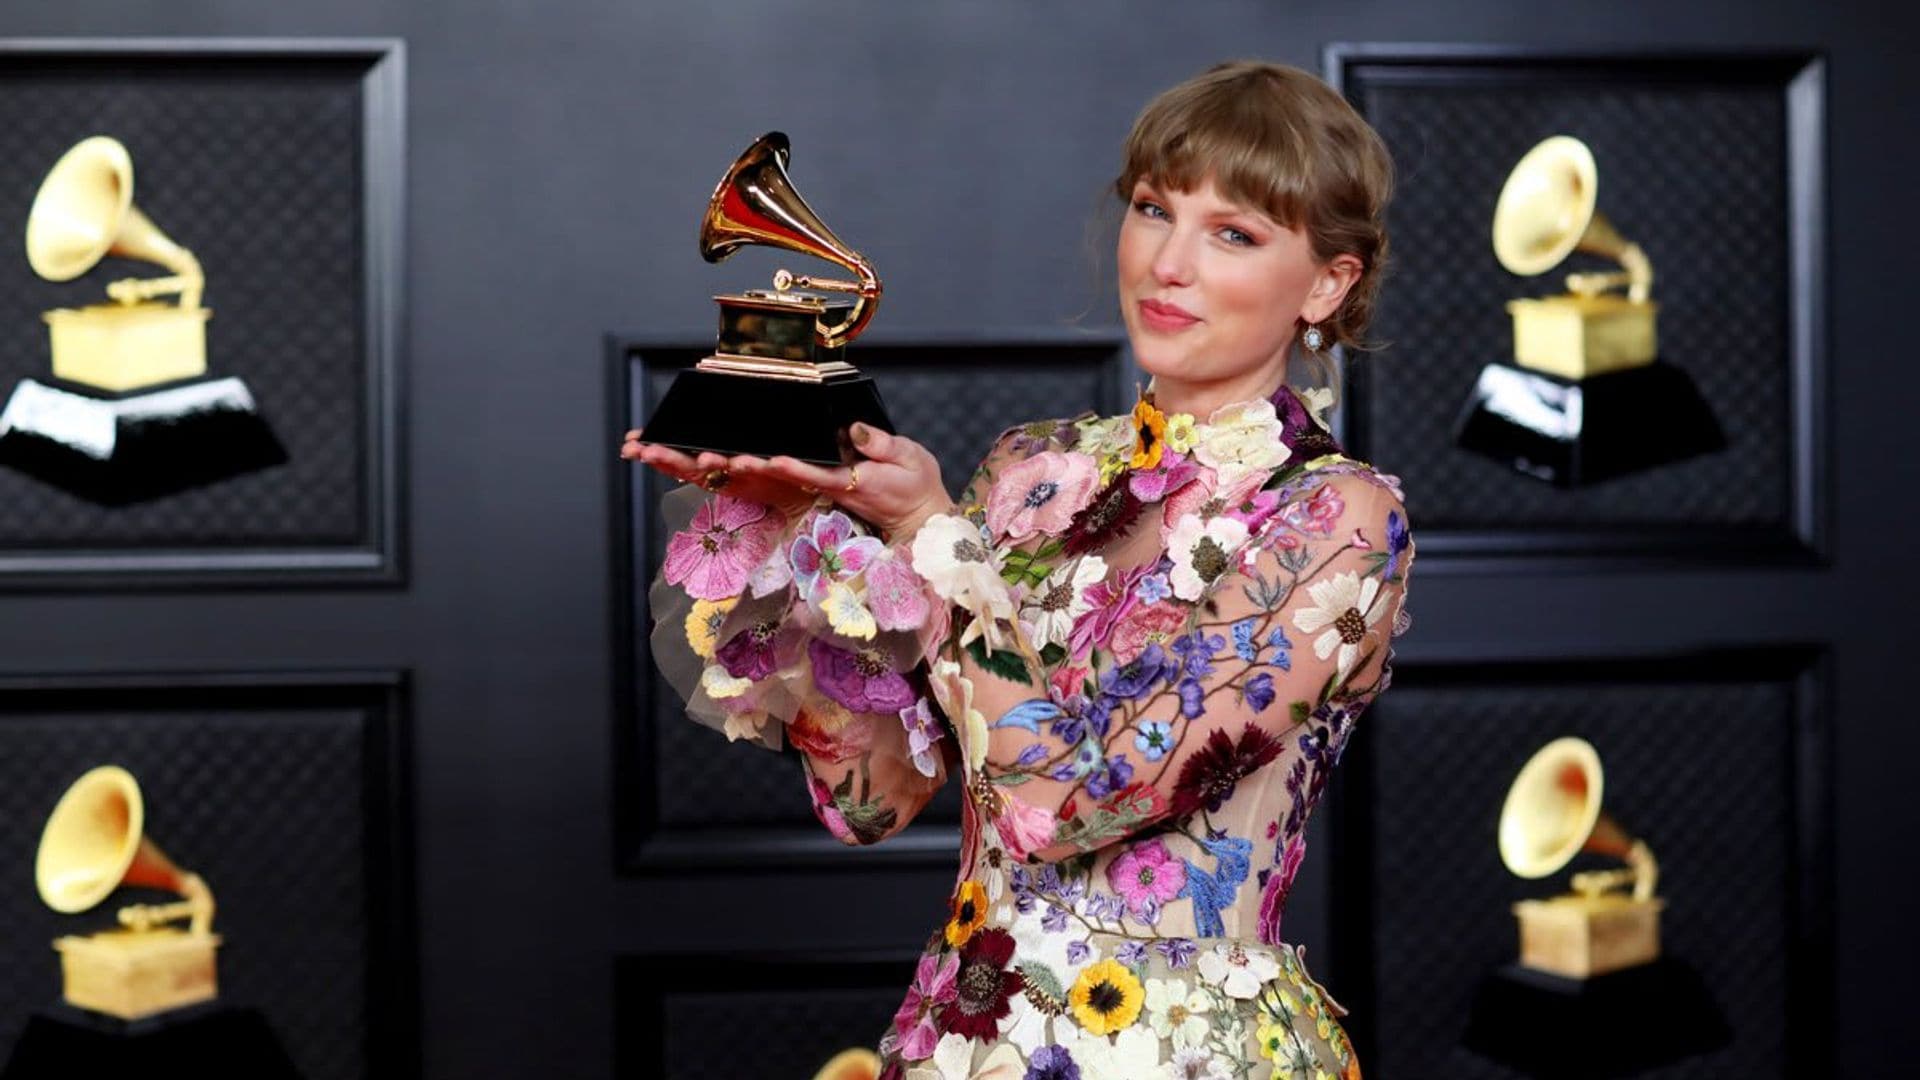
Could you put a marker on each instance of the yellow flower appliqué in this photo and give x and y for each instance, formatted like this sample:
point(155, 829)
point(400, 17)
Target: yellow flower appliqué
point(969, 912)
point(703, 625)
point(1182, 432)
point(1106, 997)
point(1150, 434)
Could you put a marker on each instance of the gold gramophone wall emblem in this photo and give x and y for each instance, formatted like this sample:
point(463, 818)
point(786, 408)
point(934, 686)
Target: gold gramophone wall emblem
point(1587, 396)
point(130, 412)
point(778, 381)
point(83, 213)
point(95, 842)
point(1553, 813)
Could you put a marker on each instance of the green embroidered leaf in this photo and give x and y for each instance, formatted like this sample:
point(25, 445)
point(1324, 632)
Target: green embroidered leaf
point(1053, 654)
point(1005, 664)
point(1300, 710)
point(843, 791)
point(1050, 549)
point(1043, 981)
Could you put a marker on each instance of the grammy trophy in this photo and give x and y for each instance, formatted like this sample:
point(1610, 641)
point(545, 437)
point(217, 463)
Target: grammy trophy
point(777, 381)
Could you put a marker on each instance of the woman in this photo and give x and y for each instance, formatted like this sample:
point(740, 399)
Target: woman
point(1140, 642)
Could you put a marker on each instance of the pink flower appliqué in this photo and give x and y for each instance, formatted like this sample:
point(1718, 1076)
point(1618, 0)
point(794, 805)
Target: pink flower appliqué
point(720, 547)
point(1207, 497)
point(1023, 827)
point(1318, 513)
point(1147, 625)
point(1041, 494)
point(1273, 899)
point(896, 595)
point(1112, 600)
point(1147, 873)
point(1174, 472)
point(829, 552)
point(827, 812)
point(933, 986)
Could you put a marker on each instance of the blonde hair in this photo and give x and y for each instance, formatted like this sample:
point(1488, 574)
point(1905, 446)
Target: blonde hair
point(1278, 139)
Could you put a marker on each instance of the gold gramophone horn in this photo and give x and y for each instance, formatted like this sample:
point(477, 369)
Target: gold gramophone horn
point(755, 203)
point(84, 212)
point(94, 842)
point(1552, 813)
point(1548, 210)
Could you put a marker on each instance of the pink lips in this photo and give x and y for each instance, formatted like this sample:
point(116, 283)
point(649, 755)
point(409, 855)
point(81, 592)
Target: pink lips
point(1160, 315)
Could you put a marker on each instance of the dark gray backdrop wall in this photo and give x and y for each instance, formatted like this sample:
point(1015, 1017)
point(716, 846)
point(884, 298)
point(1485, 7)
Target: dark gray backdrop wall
point(558, 157)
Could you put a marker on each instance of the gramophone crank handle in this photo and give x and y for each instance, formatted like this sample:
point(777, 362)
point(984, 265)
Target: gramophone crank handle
point(134, 290)
point(784, 280)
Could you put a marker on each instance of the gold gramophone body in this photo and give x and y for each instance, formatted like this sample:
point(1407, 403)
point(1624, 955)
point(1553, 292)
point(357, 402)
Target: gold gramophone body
point(1552, 813)
point(94, 843)
point(1587, 396)
point(130, 412)
point(777, 381)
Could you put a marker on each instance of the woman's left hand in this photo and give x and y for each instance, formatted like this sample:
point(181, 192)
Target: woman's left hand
point(896, 489)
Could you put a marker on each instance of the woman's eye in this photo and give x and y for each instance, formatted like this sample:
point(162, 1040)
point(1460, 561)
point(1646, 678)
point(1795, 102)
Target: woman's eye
point(1148, 208)
point(1236, 237)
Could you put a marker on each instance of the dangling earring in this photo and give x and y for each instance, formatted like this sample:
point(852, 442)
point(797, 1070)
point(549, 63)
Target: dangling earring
point(1312, 338)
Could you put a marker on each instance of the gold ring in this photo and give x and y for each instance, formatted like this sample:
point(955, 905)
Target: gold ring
point(716, 479)
point(853, 477)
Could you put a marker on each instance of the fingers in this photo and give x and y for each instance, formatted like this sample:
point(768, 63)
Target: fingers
point(806, 475)
point(876, 444)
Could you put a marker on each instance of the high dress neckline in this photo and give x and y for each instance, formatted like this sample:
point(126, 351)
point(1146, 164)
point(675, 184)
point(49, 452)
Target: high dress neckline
point(1301, 416)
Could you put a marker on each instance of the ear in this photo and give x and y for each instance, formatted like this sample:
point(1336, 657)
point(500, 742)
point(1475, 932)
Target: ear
point(1331, 283)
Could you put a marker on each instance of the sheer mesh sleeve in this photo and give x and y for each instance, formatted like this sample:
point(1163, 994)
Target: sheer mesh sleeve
point(806, 631)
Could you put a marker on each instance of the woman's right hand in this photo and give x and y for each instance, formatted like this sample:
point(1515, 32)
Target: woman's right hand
point(766, 488)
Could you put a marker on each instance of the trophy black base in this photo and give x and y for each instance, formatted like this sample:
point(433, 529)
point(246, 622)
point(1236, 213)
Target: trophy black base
point(206, 1042)
point(1571, 432)
point(115, 450)
point(741, 414)
point(1617, 1024)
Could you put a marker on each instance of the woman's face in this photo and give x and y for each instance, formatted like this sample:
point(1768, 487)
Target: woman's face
point(1211, 289)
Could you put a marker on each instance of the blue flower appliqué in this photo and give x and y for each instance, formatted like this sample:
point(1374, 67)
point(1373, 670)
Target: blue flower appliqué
point(1213, 892)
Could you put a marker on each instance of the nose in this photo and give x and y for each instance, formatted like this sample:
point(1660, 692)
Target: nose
point(1173, 262)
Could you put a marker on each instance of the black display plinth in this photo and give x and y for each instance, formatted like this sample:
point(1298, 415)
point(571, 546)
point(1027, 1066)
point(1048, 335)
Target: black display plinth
point(1572, 432)
point(213, 1041)
point(741, 414)
point(1609, 1025)
point(115, 450)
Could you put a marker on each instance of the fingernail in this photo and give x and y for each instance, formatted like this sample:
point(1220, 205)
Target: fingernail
point(861, 434)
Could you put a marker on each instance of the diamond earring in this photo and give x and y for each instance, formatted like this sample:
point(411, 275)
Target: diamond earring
point(1313, 339)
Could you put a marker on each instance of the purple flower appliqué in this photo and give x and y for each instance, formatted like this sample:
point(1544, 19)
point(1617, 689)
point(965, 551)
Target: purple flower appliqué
point(1109, 777)
point(1052, 1063)
point(829, 552)
point(1397, 542)
point(752, 653)
point(1260, 692)
point(1178, 951)
point(861, 681)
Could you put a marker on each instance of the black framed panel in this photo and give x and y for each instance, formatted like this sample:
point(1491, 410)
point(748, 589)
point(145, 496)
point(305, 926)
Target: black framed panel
point(288, 793)
point(280, 165)
point(694, 1016)
point(1714, 163)
point(1719, 761)
point(717, 808)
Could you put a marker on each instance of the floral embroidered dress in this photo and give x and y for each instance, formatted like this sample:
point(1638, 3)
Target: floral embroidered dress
point(1141, 646)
